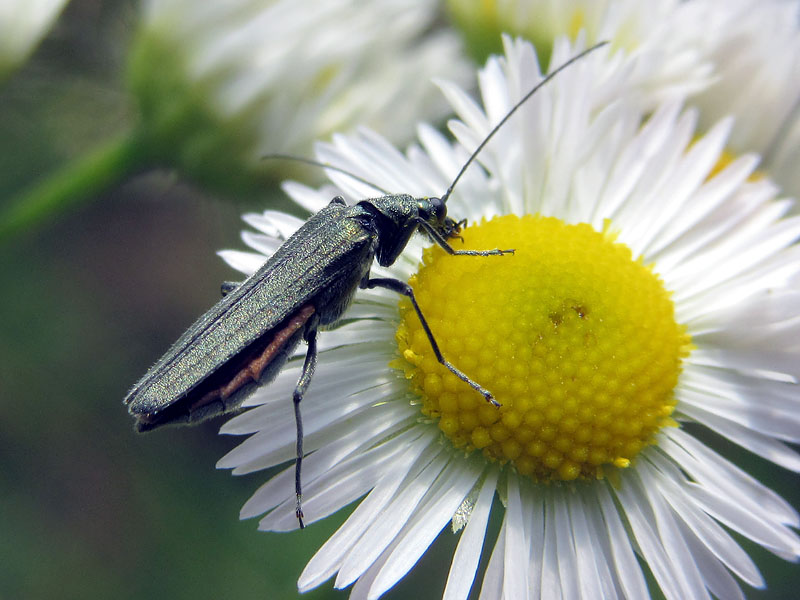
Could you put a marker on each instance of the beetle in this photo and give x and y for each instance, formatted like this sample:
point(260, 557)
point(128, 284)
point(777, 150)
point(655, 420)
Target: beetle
point(245, 339)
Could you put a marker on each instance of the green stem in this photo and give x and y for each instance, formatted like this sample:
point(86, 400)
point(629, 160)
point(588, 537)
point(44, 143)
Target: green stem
point(71, 185)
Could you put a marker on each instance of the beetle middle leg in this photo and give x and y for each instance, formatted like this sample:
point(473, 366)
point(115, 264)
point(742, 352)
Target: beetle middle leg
point(401, 287)
point(299, 391)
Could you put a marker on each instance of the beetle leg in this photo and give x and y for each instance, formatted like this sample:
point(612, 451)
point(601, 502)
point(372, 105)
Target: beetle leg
point(439, 239)
point(401, 287)
point(228, 286)
point(302, 385)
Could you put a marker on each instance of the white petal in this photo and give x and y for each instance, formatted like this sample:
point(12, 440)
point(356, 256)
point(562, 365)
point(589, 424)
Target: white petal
point(348, 444)
point(263, 244)
point(441, 502)
point(687, 205)
point(630, 164)
point(534, 517)
point(752, 242)
point(383, 531)
point(591, 573)
point(515, 561)
point(551, 577)
point(642, 520)
point(492, 587)
point(781, 541)
point(362, 590)
point(329, 558)
point(716, 577)
point(725, 479)
point(310, 199)
point(468, 552)
point(781, 422)
point(335, 489)
point(763, 445)
point(671, 175)
point(567, 559)
point(711, 212)
point(274, 223)
point(276, 444)
point(628, 571)
point(245, 262)
point(709, 532)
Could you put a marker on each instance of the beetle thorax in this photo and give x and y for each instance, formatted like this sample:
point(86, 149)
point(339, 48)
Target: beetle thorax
point(395, 219)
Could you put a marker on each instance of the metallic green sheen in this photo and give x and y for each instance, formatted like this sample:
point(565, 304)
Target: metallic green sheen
point(323, 263)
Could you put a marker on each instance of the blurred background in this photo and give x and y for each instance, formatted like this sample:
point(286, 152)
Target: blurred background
point(88, 508)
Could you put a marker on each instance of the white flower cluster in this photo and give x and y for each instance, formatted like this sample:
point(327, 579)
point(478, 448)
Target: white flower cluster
point(283, 73)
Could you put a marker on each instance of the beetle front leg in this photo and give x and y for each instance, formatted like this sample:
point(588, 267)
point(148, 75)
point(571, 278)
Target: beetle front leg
point(439, 239)
point(401, 287)
point(299, 391)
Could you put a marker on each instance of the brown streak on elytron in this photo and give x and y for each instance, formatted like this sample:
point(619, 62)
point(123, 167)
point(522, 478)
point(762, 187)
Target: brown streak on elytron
point(252, 370)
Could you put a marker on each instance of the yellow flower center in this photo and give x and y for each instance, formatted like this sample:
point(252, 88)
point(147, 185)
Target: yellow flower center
point(576, 339)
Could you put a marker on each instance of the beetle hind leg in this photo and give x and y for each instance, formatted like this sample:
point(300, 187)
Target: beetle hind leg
point(309, 366)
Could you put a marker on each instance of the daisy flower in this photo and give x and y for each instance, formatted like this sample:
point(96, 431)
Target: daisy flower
point(22, 26)
point(645, 293)
point(663, 40)
point(738, 56)
point(755, 48)
point(220, 84)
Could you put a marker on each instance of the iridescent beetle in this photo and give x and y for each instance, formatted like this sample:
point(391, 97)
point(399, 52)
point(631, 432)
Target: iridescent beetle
point(245, 339)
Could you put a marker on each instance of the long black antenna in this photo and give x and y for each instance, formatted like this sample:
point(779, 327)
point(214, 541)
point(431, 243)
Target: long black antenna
point(324, 165)
point(502, 122)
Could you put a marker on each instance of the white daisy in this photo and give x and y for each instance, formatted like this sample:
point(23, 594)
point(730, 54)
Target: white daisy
point(663, 40)
point(643, 294)
point(23, 23)
point(220, 84)
point(755, 48)
point(740, 57)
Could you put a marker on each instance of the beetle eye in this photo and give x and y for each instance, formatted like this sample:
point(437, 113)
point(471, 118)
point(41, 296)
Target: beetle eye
point(438, 209)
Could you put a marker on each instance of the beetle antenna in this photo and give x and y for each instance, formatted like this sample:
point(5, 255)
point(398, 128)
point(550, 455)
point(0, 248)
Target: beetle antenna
point(502, 122)
point(324, 165)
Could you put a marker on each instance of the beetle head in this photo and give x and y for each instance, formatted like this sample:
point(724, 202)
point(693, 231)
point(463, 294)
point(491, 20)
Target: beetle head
point(397, 218)
point(434, 212)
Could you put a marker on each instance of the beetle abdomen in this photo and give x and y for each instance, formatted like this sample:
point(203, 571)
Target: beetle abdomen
point(227, 387)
